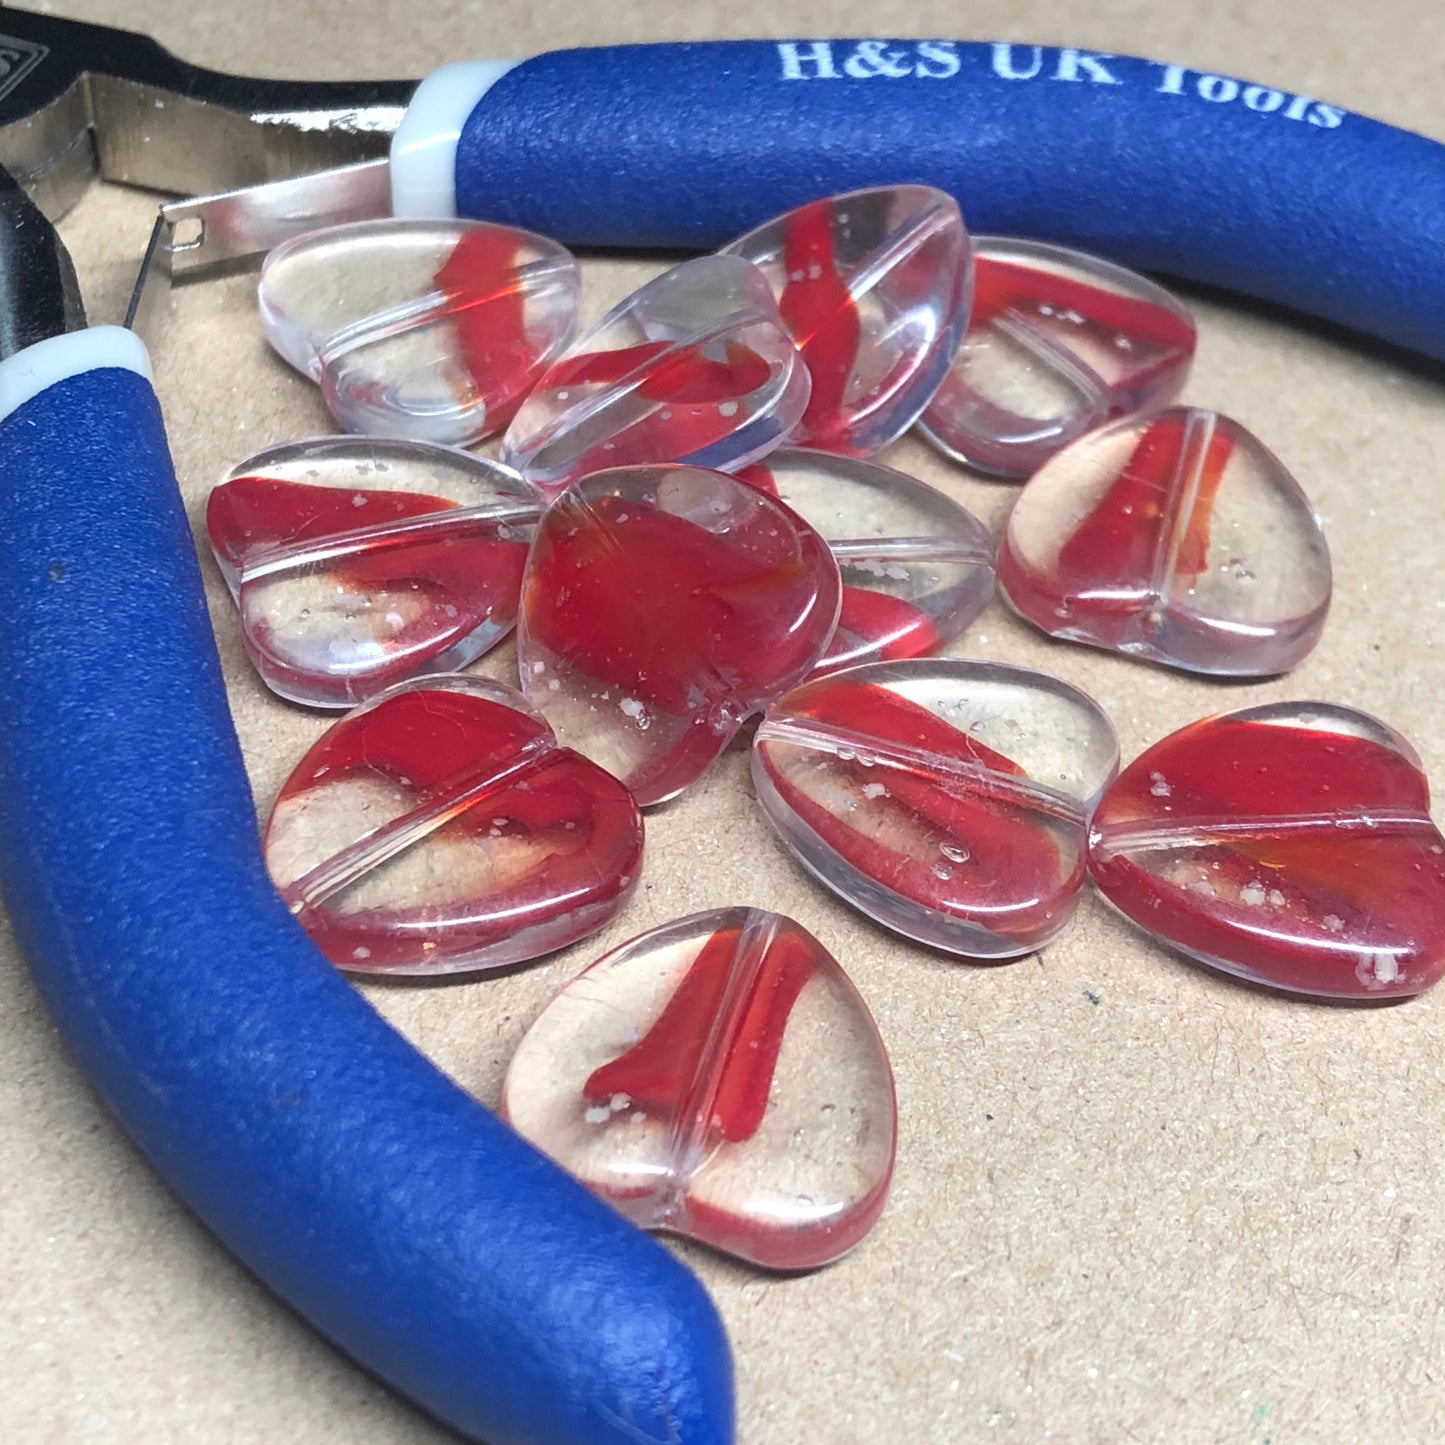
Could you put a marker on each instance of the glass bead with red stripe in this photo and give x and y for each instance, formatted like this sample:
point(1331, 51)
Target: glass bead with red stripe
point(719, 1077)
point(441, 829)
point(694, 367)
point(1176, 537)
point(661, 607)
point(948, 800)
point(1059, 342)
point(357, 562)
point(1289, 844)
point(874, 286)
point(432, 330)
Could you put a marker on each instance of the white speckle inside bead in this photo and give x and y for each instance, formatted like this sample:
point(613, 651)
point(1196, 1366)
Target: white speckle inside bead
point(1378, 970)
point(635, 710)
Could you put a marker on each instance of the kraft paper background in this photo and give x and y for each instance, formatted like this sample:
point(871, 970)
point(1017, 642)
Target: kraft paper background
point(1135, 1201)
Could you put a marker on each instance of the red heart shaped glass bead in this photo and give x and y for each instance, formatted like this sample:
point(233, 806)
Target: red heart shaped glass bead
point(1176, 537)
point(721, 1078)
point(947, 800)
point(660, 607)
point(874, 286)
point(694, 367)
point(433, 330)
point(917, 568)
point(440, 828)
point(359, 563)
point(1059, 342)
point(1290, 844)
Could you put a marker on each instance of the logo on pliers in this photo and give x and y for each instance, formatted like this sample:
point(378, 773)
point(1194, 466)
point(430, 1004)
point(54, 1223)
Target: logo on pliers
point(17, 59)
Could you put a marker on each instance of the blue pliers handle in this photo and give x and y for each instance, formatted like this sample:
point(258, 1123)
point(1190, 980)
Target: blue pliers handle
point(394, 1212)
point(1161, 167)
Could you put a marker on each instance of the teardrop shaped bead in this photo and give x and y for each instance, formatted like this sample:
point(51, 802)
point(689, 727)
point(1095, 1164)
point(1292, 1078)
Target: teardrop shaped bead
point(431, 330)
point(1175, 537)
point(359, 562)
point(693, 367)
point(948, 800)
point(1289, 844)
point(441, 829)
point(1059, 342)
point(720, 1078)
point(874, 286)
point(662, 606)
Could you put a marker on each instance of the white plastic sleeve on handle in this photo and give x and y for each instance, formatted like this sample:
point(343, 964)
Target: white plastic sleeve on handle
point(39, 367)
point(424, 148)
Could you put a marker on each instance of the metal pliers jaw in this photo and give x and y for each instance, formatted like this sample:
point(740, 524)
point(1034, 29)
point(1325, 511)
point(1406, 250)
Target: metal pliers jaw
point(39, 293)
point(385, 1204)
point(80, 100)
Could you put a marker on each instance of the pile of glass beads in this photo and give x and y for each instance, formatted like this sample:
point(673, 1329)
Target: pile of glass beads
point(687, 528)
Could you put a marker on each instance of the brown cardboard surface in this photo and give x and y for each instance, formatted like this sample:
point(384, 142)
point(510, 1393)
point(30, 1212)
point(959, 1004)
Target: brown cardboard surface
point(1135, 1201)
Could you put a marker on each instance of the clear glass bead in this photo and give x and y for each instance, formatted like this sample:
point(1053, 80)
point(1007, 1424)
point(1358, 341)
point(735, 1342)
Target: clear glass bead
point(720, 1078)
point(358, 562)
point(432, 330)
point(441, 829)
point(948, 800)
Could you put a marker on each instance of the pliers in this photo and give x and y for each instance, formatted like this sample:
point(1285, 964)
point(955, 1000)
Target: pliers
point(367, 1189)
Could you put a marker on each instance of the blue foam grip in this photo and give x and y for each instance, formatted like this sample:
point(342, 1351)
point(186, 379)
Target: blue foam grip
point(398, 1215)
point(1159, 167)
